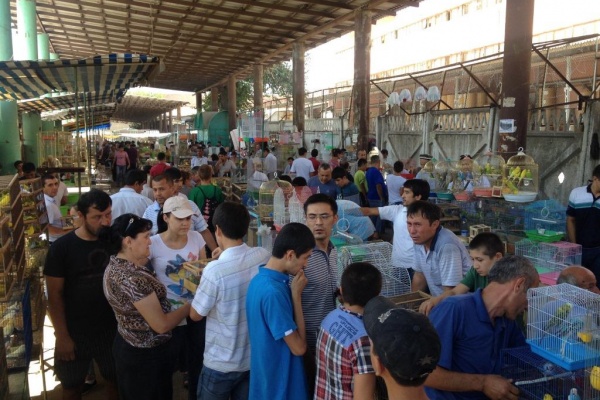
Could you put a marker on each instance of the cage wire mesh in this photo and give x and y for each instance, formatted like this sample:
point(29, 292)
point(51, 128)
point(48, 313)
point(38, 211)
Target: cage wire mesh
point(549, 259)
point(537, 377)
point(396, 281)
point(563, 325)
point(548, 215)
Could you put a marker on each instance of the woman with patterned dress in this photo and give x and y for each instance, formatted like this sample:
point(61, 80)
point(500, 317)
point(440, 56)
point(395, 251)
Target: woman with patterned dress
point(145, 349)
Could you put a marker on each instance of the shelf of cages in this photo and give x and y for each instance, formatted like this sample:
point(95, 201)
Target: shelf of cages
point(15, 319)
point(3, 368)
point(59, 149)
point(38, 303)
point(501, 216)
point(7, 280)
point(36, 249)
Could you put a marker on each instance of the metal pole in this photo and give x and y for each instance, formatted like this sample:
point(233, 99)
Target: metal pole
point(77, 147)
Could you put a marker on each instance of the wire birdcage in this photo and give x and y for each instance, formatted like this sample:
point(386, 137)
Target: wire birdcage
point(546, 214)
point(396, 281)
point(549, 259)
point(563, 325)
point(537, 377)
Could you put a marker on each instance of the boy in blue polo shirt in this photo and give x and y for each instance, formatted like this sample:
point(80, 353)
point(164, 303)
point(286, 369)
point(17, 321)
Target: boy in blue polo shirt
point(276, 320)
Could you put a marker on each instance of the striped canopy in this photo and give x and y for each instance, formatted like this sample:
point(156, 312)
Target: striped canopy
point(21, 80)
point(66, 101)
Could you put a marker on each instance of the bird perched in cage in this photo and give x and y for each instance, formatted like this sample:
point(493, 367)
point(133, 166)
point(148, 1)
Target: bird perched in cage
point(595, 377)
point(548, 396)
point(573, 395)
point(549, 369)
point(560, 315)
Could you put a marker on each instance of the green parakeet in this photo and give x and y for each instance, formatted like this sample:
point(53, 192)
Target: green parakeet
point(560, 315)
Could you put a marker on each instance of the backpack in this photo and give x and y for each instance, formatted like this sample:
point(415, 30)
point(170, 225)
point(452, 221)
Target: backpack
point(208, 209)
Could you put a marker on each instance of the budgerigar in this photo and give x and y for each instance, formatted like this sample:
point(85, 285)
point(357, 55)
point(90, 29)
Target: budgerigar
point(560, 315)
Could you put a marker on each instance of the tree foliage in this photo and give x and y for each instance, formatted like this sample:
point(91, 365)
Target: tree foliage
point(277, 80)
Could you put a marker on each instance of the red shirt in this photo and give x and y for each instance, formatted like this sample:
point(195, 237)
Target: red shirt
point(315, 163)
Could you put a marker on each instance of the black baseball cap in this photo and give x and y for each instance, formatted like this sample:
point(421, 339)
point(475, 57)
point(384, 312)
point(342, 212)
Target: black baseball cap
point(404, 340)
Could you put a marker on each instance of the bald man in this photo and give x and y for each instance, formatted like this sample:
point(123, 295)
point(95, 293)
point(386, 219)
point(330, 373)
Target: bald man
point(579, 276)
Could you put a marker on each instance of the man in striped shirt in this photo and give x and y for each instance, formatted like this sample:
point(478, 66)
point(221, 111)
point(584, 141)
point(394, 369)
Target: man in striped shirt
point(318, 297)
point(221, 298)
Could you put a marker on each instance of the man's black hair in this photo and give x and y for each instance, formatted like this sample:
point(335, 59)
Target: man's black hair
point(302, 151)
point(595, 172)
point(232, 219)
point(398, 166)
point(419, 187)
point(488, 243)
point(161, 156)
point(94, 198)
point(321, 198)
point(360, 282)
point(134, 176)
point(47, 177)
point(338, 173)
point(361, 162)
point(299, 181)
point(28, 167)
point(429, 211)
point(314, 152)
point(16, 163)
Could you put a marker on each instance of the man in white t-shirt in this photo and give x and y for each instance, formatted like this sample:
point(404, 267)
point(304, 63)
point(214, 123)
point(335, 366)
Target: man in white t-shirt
point(128, 199)
point(55, 225)
point(402, 244)
point(62, 194)
point(302, 166)
point(395, 184)
point(270, 163)
point(221, 299)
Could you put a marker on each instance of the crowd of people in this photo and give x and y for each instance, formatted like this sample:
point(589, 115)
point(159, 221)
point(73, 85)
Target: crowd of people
point(284, 324)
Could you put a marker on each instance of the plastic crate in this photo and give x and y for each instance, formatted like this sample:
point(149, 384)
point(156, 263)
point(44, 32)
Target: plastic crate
point(549, 215)
point(543, 235)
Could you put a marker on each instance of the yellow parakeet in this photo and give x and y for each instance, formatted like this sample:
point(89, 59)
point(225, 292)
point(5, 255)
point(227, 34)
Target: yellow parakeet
point(595, 377)
point(548, 396)
point(560, 315)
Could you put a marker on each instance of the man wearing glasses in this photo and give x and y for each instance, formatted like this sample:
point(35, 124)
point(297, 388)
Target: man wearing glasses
point(318, 297)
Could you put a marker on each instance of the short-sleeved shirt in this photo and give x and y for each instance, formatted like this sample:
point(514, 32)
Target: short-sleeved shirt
point(198, 222)
point(318, 297)
point(585, 208)
point(470, 342)
point(360, 179)
point(126, 283)
point(474, 281)
point(329, 188)
point(343, 350)
point(403, 253)
point(315, 163)
point(81, 263)
point(126, 201)
point(394, 183)
point(302, 167)
point(200, 193)
point(168, 265)
point(276, 372)
point(54, 216)
point(446, 262)
point(349, 192)
point(374, 178)
point(121, 158)
point(221, 297)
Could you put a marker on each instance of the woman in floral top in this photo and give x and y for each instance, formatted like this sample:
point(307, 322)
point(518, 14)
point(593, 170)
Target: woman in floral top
point(144, 349)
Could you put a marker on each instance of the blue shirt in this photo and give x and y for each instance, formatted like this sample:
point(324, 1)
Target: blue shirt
point(349, 192)
point(470, 343)
point(374, 178)
point(329, 188)
point(276, 372)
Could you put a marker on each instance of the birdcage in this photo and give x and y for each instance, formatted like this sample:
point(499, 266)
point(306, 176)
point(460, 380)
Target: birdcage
point(487, 174)
point(545, 220)
point(193, 273)
point(549, 259)
point(396, 281)
point(443, 175)
point(538, 378)
point(296, 206)
point(563, 325)
point(281, 214)
point(520, 178)
point(267, 198)
point(427, 173)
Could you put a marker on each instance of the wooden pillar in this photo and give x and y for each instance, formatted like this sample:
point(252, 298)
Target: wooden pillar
point(362, 72)
point(214, 99)
point(298, 95)
point(516, 69)
point(179, 114)
point(231, 102)
point(258, 87)
point(198, 102)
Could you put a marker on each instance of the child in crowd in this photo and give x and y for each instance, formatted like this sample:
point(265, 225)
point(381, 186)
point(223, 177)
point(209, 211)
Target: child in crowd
point(276, 320)
point(344, 369)
point(286, 171)
point(346, 189)
point(485, 249)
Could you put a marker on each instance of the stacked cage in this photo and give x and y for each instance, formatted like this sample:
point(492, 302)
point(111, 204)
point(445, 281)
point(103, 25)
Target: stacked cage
point(549, 259)
point(545, 220)
point(396, 280)
point(16, 324)
point(563, 328)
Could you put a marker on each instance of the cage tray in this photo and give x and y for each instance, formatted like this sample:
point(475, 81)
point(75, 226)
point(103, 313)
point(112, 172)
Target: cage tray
point(577, 355)
point(547, 236)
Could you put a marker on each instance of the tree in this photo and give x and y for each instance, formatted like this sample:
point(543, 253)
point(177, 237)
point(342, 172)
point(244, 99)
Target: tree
point(277, 79)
